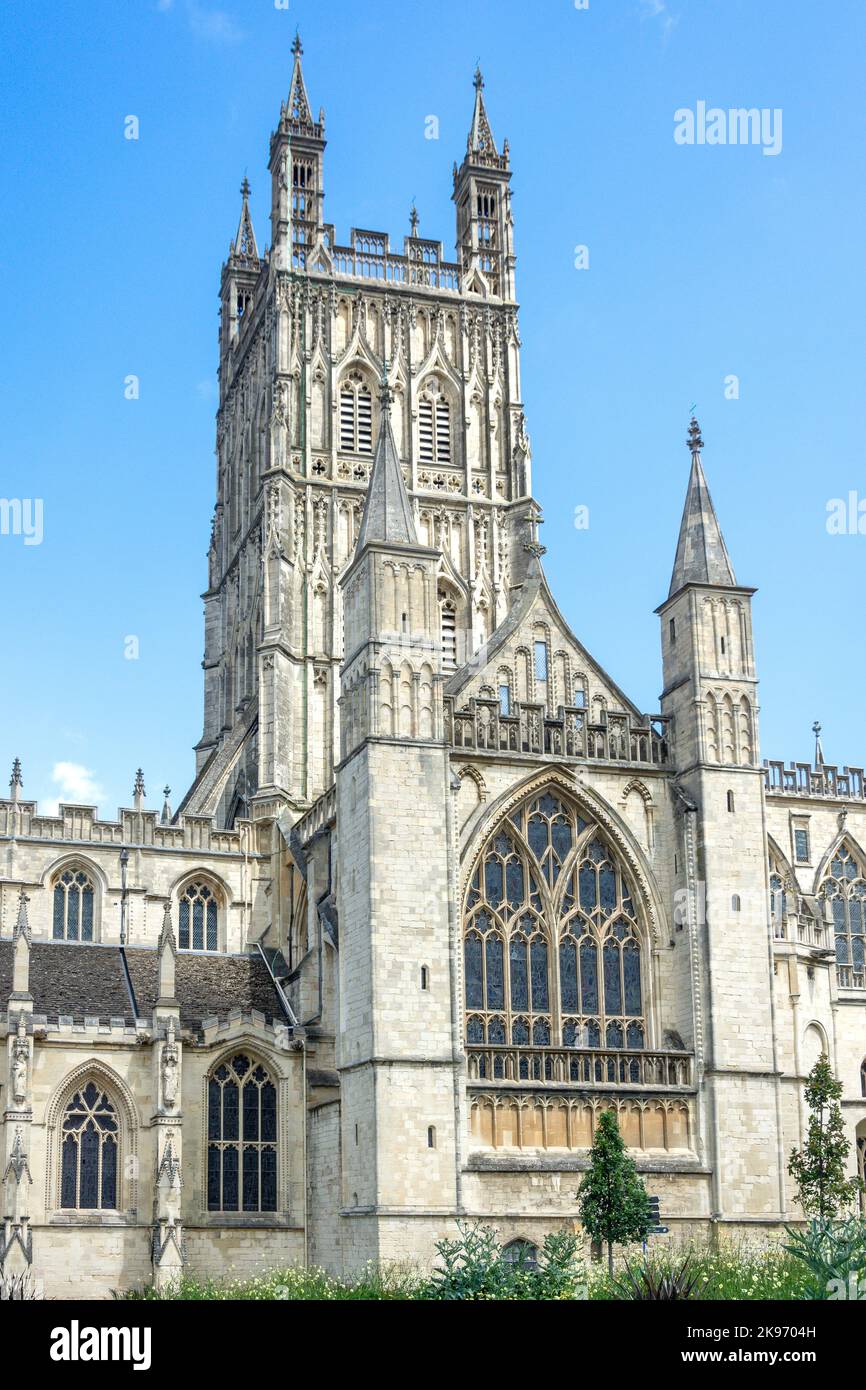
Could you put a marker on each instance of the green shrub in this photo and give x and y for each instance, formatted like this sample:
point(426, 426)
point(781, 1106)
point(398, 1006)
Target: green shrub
point(648, 1283)
point(833, 1255)
point(474, 1267)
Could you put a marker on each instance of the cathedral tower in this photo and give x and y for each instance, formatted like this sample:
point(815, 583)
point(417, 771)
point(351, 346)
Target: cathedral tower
point(306, 327)
point(710, 690)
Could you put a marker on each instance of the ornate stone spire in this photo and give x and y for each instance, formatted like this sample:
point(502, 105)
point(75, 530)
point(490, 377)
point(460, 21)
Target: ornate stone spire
point(166, 806)
point(413, 220)
point(22, 923)
point(298, 115)
point(702, 557)
point(138, 792)
point(481, 146)
point(244, 245)
point(15, 781)
point(387, 511)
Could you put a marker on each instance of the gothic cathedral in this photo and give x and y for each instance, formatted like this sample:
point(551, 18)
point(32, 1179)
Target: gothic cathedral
point(439, 893)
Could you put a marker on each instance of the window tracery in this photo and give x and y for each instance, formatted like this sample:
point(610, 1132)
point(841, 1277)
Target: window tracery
point(90, 1135)
point(198, 917)
point(74, 896)
point(552, 939)
point(844, 889)
point(241, 1137)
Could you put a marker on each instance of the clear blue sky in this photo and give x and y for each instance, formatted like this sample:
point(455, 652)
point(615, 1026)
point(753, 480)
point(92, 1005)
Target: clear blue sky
point(704, 261)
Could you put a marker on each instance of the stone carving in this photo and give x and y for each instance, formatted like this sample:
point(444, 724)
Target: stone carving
point(170, 1069)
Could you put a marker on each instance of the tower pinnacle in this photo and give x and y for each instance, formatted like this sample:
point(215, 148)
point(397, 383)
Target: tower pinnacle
point(244, 245)
point(702, 556)
point(387, 512)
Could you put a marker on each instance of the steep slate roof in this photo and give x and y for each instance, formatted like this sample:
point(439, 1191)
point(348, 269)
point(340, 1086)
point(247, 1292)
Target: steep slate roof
point(702, 556)
point(387, 509)
point(87, 981)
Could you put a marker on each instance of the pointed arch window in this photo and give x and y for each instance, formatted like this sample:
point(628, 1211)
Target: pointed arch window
point(434, 424)
point(844, 890)
point(90, 1134)
point(241, 1137)
point(198, 917)
point(552, 942)
point(74, 896)
point(356, 415)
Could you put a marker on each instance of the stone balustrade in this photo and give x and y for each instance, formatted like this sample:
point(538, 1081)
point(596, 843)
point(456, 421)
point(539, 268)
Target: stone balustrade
point(483, 728)
point(588, 1067)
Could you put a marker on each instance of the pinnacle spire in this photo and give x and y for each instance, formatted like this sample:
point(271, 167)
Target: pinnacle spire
point(481, 146)
point(819, 748)
point(138, 792)
point(702, 556)
point(244, 245)
point(166, 806)
point(15, 781)
point(297, 110)
point(22, 922)
point(387, 511)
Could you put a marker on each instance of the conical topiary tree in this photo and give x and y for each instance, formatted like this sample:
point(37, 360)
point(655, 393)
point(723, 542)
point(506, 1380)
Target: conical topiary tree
point(614, 1205)
point(824, 1187)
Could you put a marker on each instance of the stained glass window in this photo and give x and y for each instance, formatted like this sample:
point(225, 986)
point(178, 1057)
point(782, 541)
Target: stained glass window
point(844, 889)
point(73, 905)
point(198, 918)
point(242, 1137)
point(88, 1147)
point(552, 947)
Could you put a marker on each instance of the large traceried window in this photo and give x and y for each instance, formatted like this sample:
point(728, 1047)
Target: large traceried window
point(242, 1137)
point(90, 1135)
point(356, 415)
point(552, 943)
point(844, 889)
point(73, 905)
point(198, 915)
point(434, 425)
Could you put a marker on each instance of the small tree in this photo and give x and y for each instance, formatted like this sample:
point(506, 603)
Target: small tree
point(819, 1169)
point(614, 1205)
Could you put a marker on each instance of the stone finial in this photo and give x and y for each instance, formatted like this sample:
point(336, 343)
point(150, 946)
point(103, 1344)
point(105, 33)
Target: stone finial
point(245, 188)
point(138, 792)
point(22, 924)
point(819, 748)
point(297, 46)
point(478, 80)
point(695, 442)
point(15, 781)
point(413, 220)
point(386, 395)
point(166, 806)
point(166, 935)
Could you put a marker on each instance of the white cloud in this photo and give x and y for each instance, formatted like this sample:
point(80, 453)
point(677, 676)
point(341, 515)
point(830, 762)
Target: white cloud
point(73, 783)
point(216, 26)
point(657, 9)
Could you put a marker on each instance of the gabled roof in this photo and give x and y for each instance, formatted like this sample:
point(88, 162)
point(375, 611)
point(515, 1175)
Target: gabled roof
point(534, 591)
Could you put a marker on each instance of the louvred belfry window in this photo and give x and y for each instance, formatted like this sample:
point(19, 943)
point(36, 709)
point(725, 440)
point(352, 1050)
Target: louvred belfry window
point(242, 1137)
point(552, 941)
point(356, 415)
point(434, 425)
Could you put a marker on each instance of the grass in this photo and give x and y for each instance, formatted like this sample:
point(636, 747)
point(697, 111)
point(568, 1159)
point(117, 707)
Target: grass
point(734, 1271)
